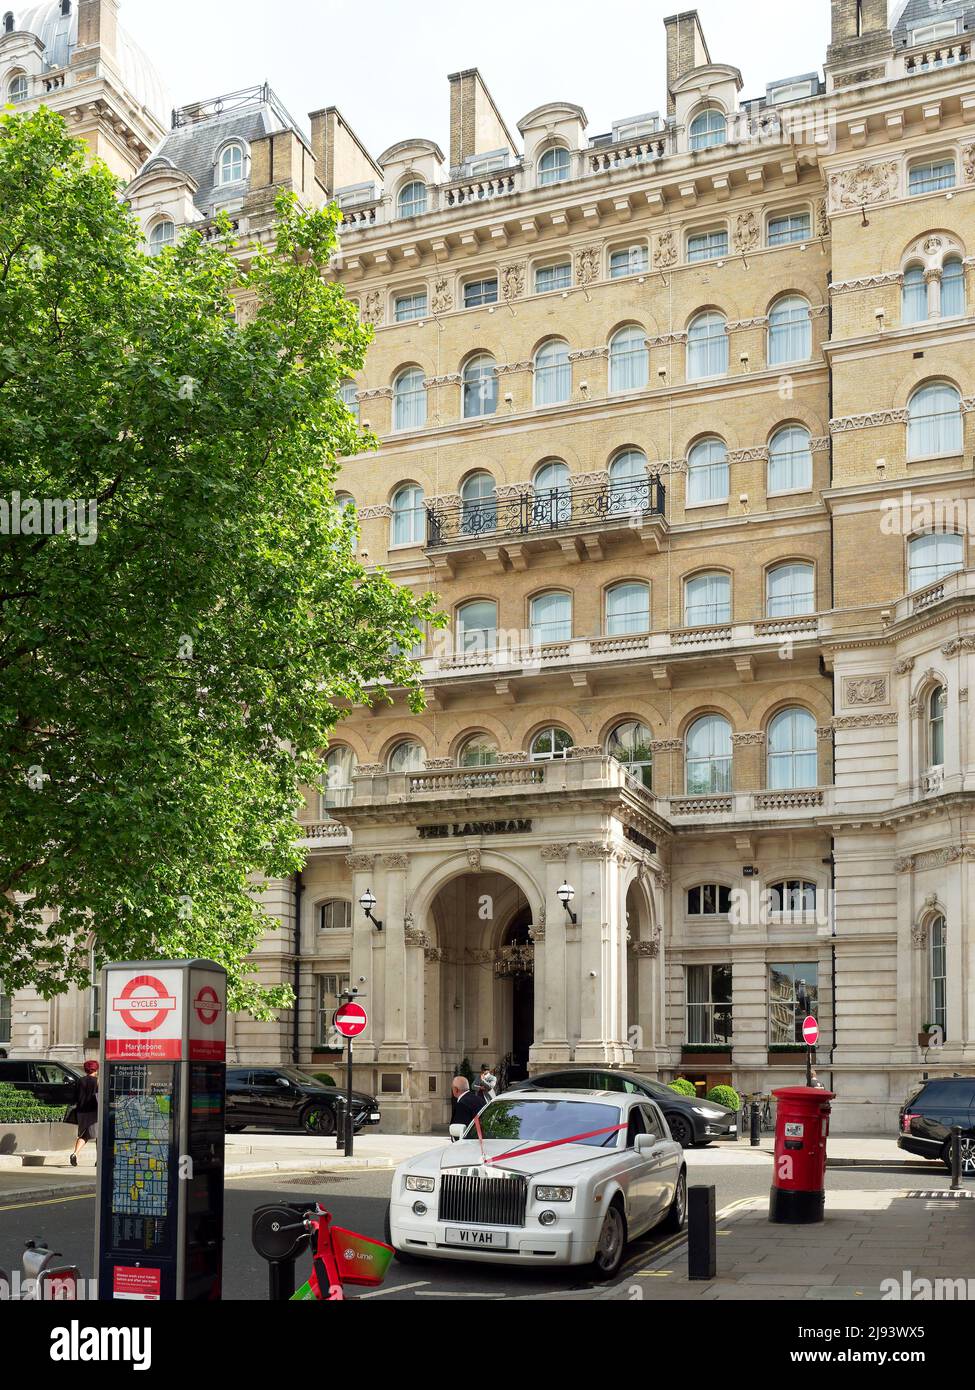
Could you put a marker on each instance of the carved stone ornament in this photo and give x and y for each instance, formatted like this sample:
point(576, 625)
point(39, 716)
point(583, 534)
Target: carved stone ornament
point(747, 231)
point(844, 423)
point(360, 863)
point(968, 162)
point(396, 861)
point(593, 849)
point(959, 644)
point(665, 250)
point(554, 854)
point(377, 513)
point(536, 934)
point(474, 860)
point(748, 740)
point(865, 721)
point(442, 300)
point(646, 948)
point(919, 935)
point(433, 954)
point(867, 183)
point(368, 770)
point(822, 219)
point(372, 308)
point(512, 281)
point(865, 690)
point(587, 265)
point(905, 667)
point(415, 936)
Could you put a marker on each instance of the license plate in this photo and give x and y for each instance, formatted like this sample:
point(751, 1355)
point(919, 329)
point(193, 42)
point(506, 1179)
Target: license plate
point(375, 1116)
point(476, 1240)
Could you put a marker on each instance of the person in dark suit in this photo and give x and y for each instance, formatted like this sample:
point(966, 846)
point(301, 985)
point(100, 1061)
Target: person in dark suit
point(465, 1103)
point(86, 1105)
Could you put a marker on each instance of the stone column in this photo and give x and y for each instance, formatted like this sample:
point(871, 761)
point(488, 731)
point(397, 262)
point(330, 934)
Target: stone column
point(602, 960)
point(392, 913)
point(551, 1024)
point(363, 962)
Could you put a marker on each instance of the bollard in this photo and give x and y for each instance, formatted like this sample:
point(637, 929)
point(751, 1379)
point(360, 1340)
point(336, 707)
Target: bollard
point(702, 1233)
point(756, 1131)
point(955, 1157)
point(340, 1122)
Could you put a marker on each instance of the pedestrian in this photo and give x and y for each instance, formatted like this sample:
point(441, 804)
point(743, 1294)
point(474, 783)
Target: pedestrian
point(465, 1103)
point(488, 1082)
point(86, 1109)
point(815, 1081)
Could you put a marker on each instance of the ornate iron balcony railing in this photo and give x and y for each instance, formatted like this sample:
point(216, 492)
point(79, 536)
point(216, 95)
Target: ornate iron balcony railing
point(533, 513)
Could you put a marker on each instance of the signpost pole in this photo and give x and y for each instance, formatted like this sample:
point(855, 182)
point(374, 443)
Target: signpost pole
point(809, 1053)
point(350, 1019)
point(348, 1104)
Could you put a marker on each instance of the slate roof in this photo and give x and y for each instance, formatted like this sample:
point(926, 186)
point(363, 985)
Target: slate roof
point(916, 14)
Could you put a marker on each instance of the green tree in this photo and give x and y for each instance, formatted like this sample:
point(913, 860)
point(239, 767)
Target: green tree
point(172, 666)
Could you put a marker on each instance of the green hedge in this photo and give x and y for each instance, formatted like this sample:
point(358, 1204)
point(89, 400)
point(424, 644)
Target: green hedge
point(683, 1087)
point(22, 1108)
point(725, 1095)
point(324, 1078)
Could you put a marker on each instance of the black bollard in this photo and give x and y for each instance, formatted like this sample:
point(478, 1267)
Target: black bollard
point(702, 1233)
point(340, 1122)
point(756, 1126)
point(955, 1157)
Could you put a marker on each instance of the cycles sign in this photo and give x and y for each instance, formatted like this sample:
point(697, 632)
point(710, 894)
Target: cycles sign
point(161, 1015)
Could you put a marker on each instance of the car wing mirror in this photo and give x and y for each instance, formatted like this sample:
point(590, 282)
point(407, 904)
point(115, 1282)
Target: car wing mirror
point(646, 1143)
point(456, 1132)
point(283, 1081)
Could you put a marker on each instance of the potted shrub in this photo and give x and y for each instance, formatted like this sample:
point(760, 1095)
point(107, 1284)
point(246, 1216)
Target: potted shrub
point(924, 1037)
point(725, 1095)
point(683, 1087)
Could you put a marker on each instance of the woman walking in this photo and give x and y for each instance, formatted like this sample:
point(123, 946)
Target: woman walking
point(87, 1108)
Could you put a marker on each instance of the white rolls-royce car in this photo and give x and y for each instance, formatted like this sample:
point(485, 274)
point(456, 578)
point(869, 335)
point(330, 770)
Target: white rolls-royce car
point(561, 1178)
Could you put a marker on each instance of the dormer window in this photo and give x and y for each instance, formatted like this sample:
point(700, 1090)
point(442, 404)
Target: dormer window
point(488, 164)
point(19, 89)
point(232, 163)
point(553, 167)
point(162, 235)
point(789, 91)
point(8, 22)
point(636, 128)
point(413, 199)
point(708, 129)
point(931, 33)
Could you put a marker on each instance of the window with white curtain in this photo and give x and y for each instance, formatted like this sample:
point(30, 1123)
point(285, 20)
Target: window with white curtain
point(480, 386)
point(707, 600)
point(407, 757)
point(632, 745)
point(952, 288)
point(554, 166)
point(477, 293)
point(232, 163)
point(629, 360)
point(914, 295)
point(348, 395)
point(340, 766)
point(551, 494)
point(938, 966)
point(627, 609)
point(477, 626)
point(551, 745)
point(18, 90)
point(162, 235)
point(708, 246)
point(934, 421)
point(793, 226)
point(410, 306)
point(708, 756)
point(790, 591)
point(708, 129)
point(936, 727)
point(708, 1005)
point(629, 485)
point(707, 347)
point(633, 260)
point(409, 516)
point(931, 176)
point(480, 504)
point(551, 618)
point(335, 915)
point(553, 277)
point(932, 557)
point(409, 400)
point(708, 475)
point(789, 331)
point(790, 463)
point(553, 373)
point(792, 750)
point(412, 200)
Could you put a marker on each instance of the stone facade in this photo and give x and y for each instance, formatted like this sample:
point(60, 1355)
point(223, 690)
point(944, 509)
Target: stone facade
point(821, 862)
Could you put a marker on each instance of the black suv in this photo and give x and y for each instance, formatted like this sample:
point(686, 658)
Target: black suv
point(926, 1120)
point(286, 1098)
point(693, 1121)
point(53, 1083)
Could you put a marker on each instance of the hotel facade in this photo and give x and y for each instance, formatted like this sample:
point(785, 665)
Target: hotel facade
point(678, 421)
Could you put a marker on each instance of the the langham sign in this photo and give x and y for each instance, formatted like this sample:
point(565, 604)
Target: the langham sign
point(478, 827)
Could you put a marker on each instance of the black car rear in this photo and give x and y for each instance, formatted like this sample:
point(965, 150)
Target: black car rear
point(286, 1098)
point(52, 1083)
point(693, 1120)
point(927, 1118)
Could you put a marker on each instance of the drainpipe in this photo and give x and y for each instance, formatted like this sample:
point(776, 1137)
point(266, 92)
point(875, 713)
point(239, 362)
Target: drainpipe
point(295, 1049)
point(832, 605)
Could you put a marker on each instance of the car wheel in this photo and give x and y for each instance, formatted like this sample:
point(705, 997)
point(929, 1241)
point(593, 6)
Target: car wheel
point(611, 1244)
point(681, 1129)
point(403, 1258)
point(317, 1119)
point(677, 1213)
point(967, 1157)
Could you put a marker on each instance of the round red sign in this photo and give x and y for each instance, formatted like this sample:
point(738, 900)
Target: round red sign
point(350, 1020)
point(143, 1003)
point(207, 1005)
point(810, 1031)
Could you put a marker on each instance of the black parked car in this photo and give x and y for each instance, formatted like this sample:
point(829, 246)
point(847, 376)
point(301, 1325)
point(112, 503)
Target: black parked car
point(693, 1121)
point(927, 1118)
point(53, 1083)
point(286, 1098)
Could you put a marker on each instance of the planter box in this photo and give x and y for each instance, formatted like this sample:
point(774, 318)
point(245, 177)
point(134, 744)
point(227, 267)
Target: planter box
point(44, 1136)
point(706, 1061)
point(924, 1039)
point(787, 1059)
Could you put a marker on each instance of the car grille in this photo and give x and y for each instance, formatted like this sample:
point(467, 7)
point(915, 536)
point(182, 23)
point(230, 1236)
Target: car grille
point(483, 1201)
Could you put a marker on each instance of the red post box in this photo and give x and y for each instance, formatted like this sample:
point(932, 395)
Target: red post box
point(799, 1178)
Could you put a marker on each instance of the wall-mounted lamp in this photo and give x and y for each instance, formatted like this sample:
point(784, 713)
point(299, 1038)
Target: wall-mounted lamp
point(584, 387)
point(662, 373)
point(863, 214)
point(367, 902)
point(566, 894)
point(744, 359)
point(880, 315)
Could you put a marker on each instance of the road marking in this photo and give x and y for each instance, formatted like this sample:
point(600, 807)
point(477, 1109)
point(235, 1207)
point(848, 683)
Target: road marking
point(451, 1293)
point(394, 1288)
point(50, 1202)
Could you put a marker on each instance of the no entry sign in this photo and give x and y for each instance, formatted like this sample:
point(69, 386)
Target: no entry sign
point(810, 1031)
point(350, 1020)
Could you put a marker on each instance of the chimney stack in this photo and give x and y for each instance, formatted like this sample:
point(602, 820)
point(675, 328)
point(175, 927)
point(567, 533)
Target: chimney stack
point(686, 49)
point(97, 31)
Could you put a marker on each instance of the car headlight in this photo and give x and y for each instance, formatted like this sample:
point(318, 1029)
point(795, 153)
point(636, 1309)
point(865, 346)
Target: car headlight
point(553, 1194)
point(420, 1184)
point(708, 1113)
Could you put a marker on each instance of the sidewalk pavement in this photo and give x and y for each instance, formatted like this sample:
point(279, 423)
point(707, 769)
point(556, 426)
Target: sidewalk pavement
point(915, 1231)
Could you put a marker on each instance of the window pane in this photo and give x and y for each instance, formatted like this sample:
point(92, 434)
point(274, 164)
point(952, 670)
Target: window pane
point(707, 246)
point(553, 167)
point(409, 516)
point(790, 331)
point(933, 557)
point(935, 422)
point(553, 277)
point(928, 178)
point(914, 298)
point(635, 260)
point(953, 288)
point(707, 472)
point(411, 306)
point(627, 609)
point(707, 599)
point(790, 591)
point(480, 387)
point(793, 992)
point(709, 756)
point(790, 461)
point(478, 626)
point(409, 402)
point(553, 374)
point(794, 227)
point(792, 750)
point(631, 745)
point(707, 347)
point(413, 200)
point(629, 360)
point(551, 618)
point(478, 292)
point(708, 129)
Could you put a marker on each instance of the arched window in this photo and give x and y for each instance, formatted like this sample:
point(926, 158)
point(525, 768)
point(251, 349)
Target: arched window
point(708, 128)
point(233, 162)
point(792, 897)
point(335, 915)
point(349, 396)
point(629, 485)
point(409, 400)
point(407, 757)
point(707, 599)
point(934, 421)
point(790, 591)
point(790, 464)
point(708, 900)
point(707, 472)
point(629, 360)
point(938, 965)
point(479, 750)
point(480, 386)
point(553, 373)
point(344, 500)
point(412, 200)
point(952, 288)
point(792, 750)
point(632, 745)
point(340, 766)
point(162, 235)
point(936, 727)
point(19, 89)
point(707, 347)
point(477, 626)
point(552, 498)
point(409, 516)
point(551, 618)
point(480, 504)
point(554, 166)
point(708, 756)
point(551, 745)
point(627, 609)
point(914, 295)
point(789, 331)
point(932, 557)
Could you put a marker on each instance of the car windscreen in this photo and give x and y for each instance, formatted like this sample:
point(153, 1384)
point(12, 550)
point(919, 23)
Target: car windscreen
point(302, 1077)
point(541, 1121)
point(658, 1090)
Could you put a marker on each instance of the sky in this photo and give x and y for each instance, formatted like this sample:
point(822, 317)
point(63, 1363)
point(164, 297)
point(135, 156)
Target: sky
point(384, 63)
